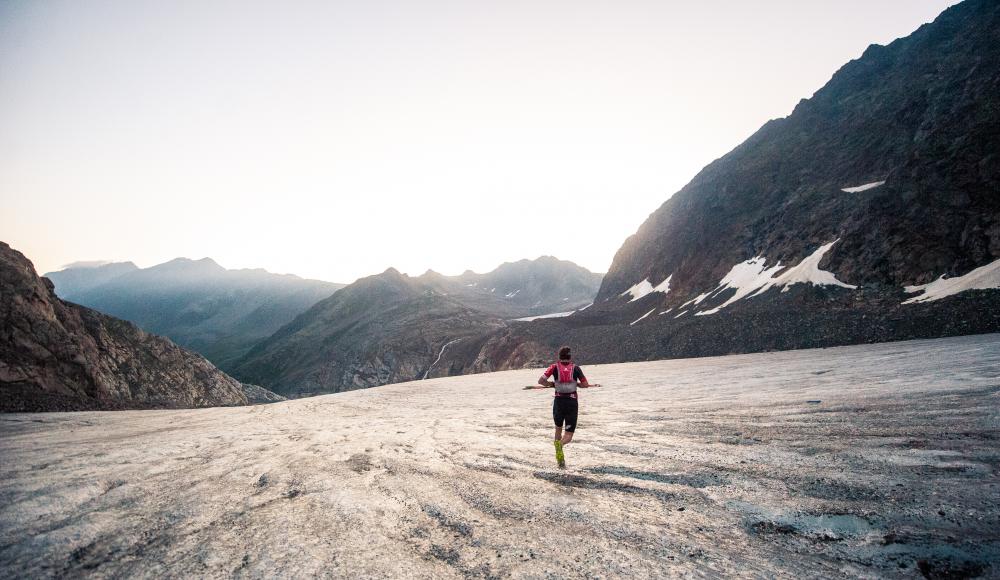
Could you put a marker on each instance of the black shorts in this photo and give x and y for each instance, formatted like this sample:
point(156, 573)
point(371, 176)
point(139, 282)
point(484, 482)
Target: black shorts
point(564, 410)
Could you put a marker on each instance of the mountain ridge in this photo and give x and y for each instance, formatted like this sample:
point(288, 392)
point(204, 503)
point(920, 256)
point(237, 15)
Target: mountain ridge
point(783, 192)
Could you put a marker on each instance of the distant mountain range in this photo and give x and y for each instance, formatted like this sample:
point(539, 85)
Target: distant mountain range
point(60, 356)
point(196, 303)
point(79, 277)
point(392, 327)
point(537, 287)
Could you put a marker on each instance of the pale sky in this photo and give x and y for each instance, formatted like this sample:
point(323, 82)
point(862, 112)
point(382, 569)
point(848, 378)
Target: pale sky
point(335, 139)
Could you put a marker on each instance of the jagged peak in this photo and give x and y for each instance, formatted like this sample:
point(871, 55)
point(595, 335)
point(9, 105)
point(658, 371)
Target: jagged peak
point(182, 261)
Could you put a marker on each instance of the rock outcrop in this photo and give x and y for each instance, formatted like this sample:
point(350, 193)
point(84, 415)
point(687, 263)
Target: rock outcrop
point(57, 356)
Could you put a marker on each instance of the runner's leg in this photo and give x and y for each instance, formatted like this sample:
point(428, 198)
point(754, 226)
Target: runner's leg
point(570, 416)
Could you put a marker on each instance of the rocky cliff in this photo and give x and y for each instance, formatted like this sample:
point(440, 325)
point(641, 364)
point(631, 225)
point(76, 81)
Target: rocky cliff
point(888, 177)
point(59, 356)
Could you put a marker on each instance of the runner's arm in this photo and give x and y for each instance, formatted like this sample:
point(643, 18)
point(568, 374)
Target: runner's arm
point(585, 385)
point(533, 387)
point(544, 379)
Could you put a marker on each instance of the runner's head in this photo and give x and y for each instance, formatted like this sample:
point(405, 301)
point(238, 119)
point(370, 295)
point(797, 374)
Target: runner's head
point(564, 353)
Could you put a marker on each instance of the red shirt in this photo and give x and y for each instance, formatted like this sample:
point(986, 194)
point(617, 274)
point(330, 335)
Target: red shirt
point(577, 376)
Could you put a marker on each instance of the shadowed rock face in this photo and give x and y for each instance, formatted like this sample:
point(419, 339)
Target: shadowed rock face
point(59, 356)
point(920, 115)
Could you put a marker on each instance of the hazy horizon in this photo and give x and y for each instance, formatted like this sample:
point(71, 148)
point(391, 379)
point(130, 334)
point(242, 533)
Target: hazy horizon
point(81, 264)
point(333, 141)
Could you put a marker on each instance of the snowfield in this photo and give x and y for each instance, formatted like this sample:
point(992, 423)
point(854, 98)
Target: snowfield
point(982, 278)
point(865, 187)
point(753, 277)
point(874, 460)
point(645, 288)
point(552, 315)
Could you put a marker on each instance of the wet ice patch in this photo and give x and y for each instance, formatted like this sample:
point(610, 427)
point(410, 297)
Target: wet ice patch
point(824, 526)
point(982, 278)
point(942, 459)
point(696, 480)
point(865, 187)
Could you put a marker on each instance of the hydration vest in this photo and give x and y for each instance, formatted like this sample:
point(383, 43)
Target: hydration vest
point(565, 383)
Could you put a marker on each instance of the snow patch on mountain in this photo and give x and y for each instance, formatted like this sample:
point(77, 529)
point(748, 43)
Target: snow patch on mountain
point(639, 290)
point(641, 317)
point(645, 288)
point(865, 187)
point(808, 272)
point(753, 277)
point(540, 316)
point(982, 278)
point(663, 286)
point(699, 298)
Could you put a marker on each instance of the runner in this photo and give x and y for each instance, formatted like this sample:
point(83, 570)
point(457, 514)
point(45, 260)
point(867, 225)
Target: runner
point(565, 407)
